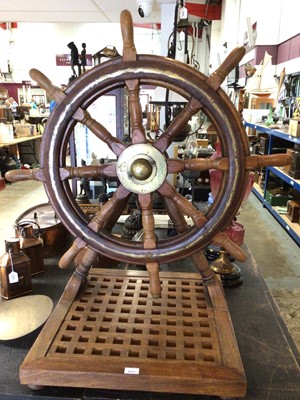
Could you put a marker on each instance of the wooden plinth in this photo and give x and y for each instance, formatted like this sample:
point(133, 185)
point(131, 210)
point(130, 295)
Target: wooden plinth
point(113, 335)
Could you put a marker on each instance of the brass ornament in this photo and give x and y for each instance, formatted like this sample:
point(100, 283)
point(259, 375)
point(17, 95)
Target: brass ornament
point(141, 168)
point(23, 315)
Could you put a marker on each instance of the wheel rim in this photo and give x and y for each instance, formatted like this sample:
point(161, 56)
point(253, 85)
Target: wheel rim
point(183, 80)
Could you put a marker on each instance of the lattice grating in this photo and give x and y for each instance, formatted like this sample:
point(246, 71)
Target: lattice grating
point(117, 317)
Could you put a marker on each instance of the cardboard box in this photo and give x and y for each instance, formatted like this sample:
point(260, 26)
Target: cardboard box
point(294, 127)
point(25, 130)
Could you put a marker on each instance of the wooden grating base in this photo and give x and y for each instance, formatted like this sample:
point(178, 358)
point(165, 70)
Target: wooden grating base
point(113, 335)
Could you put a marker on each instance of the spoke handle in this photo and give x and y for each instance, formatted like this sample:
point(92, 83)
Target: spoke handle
point(231, 61)
point(71, 253)
point(103, 134)
point(278, 160)
point(84, 261)
point(129, 51)
point(88, 171)
point(148, 222)
point(155, 285)
point(221, 239)
point(53, 91)
point(19, 175)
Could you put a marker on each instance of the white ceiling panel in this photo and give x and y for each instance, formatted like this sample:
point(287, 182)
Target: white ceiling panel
point(100, 11)
point(72, 11)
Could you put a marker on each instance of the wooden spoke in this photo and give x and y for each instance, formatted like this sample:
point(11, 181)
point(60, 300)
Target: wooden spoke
point(177, 124)
point(102, 133)
point(169, 192)
point(155, 286)
point(196, 164)
point(80, 114)
point(149, 238)
point(217, 78)
point(145, 202)
point(199, 259)
point(135, 109)
point(53, 91)
point(129, 54)
point(86, 256)
point(83, 262)
point(129, 51)
point(277, 160)
point(222, 163)
point(97, 222)
point(89, 171)
point(19, 175)
point(222, 240)
point(199, 220)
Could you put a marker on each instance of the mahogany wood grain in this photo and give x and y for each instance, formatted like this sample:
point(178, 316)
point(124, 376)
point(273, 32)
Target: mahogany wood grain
point(181, 226)
point(105, 214)
point(232, 60)
point(222, 163)
point(182, 342)
point(199, 220)
point(177, 124)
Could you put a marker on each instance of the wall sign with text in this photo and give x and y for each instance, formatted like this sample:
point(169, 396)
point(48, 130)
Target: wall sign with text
point(64, 60)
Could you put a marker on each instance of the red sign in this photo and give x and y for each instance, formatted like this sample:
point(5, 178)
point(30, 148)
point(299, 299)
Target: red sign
point(63, 60)
point(8, 25)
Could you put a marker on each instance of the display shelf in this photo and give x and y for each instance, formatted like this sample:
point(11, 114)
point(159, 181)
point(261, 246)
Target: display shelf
point(258, 192)
point(293, 229)
point(295, 183)
point(275, 132)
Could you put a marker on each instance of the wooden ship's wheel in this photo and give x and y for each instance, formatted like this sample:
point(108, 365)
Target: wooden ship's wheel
point(206, 361)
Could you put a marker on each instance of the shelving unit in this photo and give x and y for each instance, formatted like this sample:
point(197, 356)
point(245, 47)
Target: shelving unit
point(293, 229)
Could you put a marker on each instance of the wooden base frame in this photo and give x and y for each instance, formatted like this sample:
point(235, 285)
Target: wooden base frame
point(113, 335)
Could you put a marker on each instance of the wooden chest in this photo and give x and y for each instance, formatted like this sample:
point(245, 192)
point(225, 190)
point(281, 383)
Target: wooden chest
point(293, 210)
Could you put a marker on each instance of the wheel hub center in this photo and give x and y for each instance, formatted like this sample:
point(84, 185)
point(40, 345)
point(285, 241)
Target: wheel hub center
point(141, 168)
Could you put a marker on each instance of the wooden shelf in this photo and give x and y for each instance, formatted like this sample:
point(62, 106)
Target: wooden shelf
point(20, 140)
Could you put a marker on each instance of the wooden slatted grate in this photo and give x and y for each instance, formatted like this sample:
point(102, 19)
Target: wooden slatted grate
point(114, 335)
point(117, 317)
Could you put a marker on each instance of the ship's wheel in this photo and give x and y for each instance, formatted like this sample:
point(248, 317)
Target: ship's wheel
point(184, 341)
point(142, 167)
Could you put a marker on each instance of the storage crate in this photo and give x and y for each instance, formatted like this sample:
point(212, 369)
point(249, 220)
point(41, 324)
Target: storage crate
point(276, 200)
point(25, 130)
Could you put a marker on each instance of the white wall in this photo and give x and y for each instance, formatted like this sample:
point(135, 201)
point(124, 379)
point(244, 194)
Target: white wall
point(277, 21)
point(35, 45)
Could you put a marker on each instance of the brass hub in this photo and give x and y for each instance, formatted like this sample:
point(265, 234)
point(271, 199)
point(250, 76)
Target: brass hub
point(141, 169)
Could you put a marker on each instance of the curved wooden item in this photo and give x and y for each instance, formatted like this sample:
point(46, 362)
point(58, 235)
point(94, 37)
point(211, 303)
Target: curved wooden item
point(201, 93)
point(215, 373)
